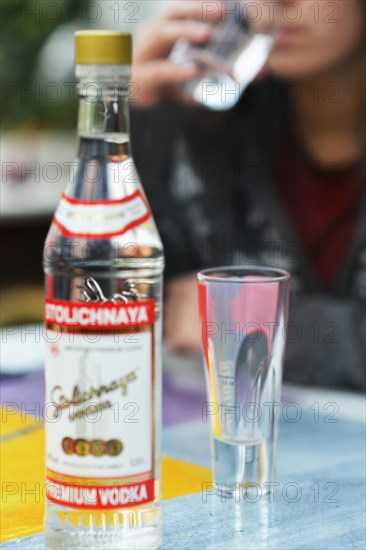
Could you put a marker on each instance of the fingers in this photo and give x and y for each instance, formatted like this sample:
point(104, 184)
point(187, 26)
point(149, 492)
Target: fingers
point(193, 31)
point(157, 39)
point(156, 80)
point(164, 72)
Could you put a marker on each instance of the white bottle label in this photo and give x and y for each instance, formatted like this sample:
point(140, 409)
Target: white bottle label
point(99, 403)
point(77, 218)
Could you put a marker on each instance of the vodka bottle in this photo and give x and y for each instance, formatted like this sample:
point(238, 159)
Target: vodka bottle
point(103, 262)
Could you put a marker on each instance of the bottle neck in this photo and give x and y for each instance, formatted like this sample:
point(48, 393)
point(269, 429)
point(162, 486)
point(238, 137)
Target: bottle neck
point(104, 164)
point(103, 97)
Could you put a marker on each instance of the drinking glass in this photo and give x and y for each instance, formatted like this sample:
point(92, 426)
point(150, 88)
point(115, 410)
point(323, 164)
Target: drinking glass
point(243, 313)
point(228, 62)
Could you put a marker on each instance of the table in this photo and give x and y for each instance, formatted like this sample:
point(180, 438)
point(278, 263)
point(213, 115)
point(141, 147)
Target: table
point(318, 504)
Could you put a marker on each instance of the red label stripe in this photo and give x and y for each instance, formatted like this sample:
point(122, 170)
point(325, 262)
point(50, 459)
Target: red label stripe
point(102, 316)
point(71, 200)
point(100, 496)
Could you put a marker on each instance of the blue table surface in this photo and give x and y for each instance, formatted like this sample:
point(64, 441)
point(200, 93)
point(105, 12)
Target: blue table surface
point(318, 504)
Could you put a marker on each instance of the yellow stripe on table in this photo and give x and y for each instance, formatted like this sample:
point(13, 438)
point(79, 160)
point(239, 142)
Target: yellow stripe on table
point(23, 470)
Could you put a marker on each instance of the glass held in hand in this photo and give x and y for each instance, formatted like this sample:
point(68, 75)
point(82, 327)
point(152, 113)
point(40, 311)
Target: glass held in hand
point(228, 62)
point(243, 314)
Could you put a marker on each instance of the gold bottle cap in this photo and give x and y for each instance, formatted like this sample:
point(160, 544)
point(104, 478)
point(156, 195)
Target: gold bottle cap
point(103, 48)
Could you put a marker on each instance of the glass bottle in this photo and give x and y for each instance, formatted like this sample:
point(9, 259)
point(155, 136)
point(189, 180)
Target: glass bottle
point(103, 263)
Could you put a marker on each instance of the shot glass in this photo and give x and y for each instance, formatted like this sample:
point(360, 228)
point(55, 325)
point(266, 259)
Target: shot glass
point(229, 61)
point(243, 313)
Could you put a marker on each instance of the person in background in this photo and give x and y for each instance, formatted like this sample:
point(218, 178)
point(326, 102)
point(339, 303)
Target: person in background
point(278, 180)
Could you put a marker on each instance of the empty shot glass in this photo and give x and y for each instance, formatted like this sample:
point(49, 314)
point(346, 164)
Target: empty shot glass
point(229, 61)
point(243, 313)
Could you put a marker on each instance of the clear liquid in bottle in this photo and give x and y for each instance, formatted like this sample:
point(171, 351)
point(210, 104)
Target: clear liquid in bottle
point(103, 262)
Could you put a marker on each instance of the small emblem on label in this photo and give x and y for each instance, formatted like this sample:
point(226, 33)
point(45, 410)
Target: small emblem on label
point(114, 447)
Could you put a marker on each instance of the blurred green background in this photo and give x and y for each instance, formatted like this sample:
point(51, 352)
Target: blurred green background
point(27, 99)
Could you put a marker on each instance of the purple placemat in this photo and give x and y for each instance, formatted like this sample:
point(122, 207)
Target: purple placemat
point(24, 393)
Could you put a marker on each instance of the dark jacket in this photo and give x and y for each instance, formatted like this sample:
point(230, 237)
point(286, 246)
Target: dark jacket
point(209, 178)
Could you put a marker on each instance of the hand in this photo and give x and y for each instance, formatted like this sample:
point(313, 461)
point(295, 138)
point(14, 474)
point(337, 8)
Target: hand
point(182, 326)
point(154, 74)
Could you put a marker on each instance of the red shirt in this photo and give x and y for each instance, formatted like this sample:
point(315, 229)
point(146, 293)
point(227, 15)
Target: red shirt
point(323, 204)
